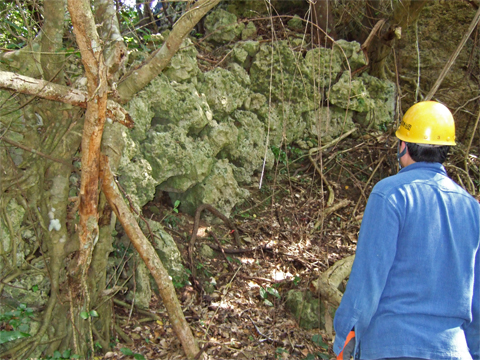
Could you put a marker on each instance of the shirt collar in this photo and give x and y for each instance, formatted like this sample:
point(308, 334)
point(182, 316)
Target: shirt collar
point(436, 167)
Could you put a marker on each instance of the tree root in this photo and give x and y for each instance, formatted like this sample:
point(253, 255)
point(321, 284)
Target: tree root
point(327, 283)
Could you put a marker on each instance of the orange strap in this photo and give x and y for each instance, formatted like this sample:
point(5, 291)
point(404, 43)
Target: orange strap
point(350, 336)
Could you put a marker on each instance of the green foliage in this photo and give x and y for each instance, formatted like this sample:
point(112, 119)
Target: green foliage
point(279, 351)
point(128, 352)
point(318, 340)
point(180, 281)
point(18, 319)
point(264, 292)
point(85, 314)
point(284, 156)
point(7, 336)
point(202, 269)
point(169, 219)
point(175, 206)
point(66, 355)
point(279, 154)
point(13, 31)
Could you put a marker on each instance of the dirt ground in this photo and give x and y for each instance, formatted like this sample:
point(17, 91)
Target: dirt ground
point(235, 303)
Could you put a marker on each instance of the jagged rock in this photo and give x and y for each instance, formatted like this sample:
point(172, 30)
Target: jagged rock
point(192, 126)
point(219, 189)
point(207, 252)
point(249, 32)
point(178, 104)
point(222, 27)
point(167, 250)
point(249, 148)
point(323, 66)
point(283, 75)
point(331, 122)
point(297, 23)
point(307, 310)
point(224, 91)
point(136, 179)
point(286, 121)
point(178, 161)
point(183, 66)
point(22, 289)
point(351, 94)
point(382, 93)
point(243, 52)
point(219, 135)
point(350, 52)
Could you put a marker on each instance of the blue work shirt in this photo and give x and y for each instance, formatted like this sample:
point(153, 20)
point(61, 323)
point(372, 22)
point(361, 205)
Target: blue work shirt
point(414, 289)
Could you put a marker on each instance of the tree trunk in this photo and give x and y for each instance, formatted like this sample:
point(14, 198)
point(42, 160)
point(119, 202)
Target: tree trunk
point(405, 13)
point(323, 19)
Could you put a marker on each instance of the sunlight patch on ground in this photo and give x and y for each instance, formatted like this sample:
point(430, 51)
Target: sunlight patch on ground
point(202, 231)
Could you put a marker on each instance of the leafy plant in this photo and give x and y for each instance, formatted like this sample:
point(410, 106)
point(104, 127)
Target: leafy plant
point(279, 351)
point(279, 154)
point(18, 320)
point(318, 340)
point(179, 281)
point(170, 219)
point(66, 355)
point(264, 292)
point(128, 352)
point(85, 314)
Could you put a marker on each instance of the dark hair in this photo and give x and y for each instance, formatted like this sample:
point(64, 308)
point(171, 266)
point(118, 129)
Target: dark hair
point(428, 153)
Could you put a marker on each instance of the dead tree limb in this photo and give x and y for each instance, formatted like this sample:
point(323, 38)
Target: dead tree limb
point(51, 91)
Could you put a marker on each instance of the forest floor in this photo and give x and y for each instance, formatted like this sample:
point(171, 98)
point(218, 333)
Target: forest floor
point(235, 304)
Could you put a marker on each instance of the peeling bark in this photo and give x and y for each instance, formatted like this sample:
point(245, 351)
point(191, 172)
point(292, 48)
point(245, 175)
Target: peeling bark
point(115, 50)
point(92, 59)
point(151, 259)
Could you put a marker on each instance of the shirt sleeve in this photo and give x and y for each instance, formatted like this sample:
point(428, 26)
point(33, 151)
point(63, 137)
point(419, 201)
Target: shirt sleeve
point(376, 248)
point(472, 332)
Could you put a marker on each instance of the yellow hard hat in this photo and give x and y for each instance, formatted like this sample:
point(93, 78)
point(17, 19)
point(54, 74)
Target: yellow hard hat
point(427, 122)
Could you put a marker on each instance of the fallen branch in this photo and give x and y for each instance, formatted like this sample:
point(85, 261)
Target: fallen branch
point(330, 210)
point(151, 259)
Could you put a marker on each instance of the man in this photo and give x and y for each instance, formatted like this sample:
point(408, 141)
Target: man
point(414, 289)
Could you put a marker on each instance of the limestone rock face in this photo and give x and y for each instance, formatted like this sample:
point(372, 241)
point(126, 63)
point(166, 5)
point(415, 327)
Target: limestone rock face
point(201, 135)
point(220, 189)
point(222, 26)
